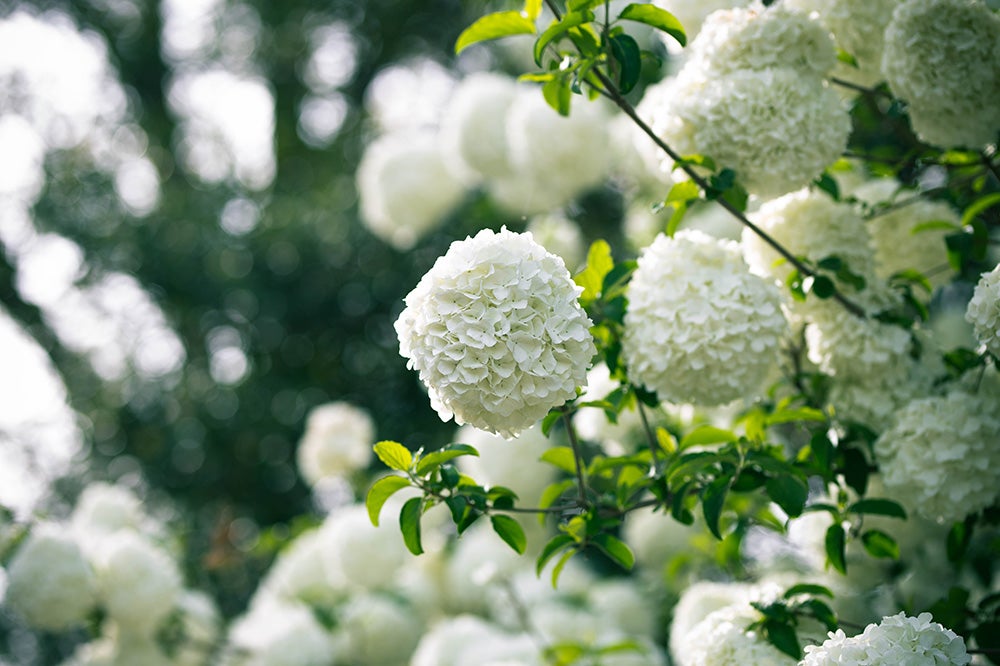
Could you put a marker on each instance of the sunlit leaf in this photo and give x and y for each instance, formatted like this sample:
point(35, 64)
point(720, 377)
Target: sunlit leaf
point(380, 492)
point(494, 26)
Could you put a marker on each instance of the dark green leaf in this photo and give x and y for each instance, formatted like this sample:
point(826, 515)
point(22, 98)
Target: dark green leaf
point(554, 545)
point(628, 55)
point(394, 455)
point(381, 491)
point(616, 549)
point(510, 531)
point(879, 507)
point(459, 507)
point(836, 547)
point(979, 205)
point(712, 500)
point(822, 612)
point(656, 17)
point(494, 26)
point(807, 588)
point(823, 287)
point(789, 492)
point(959, 538)
point(550, 420)
point(826, 183)
point(432, 461)
point(880, 544)
point(783, 637)
point(856, 470)
point(409, 524)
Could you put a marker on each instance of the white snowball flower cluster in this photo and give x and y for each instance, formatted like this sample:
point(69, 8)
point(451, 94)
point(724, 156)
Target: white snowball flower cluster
point(858, 27)
point(404, 187)
point(50, 581)
point(553, 158)
point(897, 639)
point(983, 311)
point(721, 639)
point(280, 634)
point(496, 332)
point(106, 508)
point(337, 441)
point(365, 621)
point(758, 38)
point(811, 225)
point(138, 581)
point(897, 247)
point(776, 128)
point(700, 327)
point(943, 58)
point(940, 459)
point(473, 129)
point(357, 552)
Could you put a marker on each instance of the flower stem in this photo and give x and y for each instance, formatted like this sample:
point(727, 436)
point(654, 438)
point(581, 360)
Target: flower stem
point(581, 480)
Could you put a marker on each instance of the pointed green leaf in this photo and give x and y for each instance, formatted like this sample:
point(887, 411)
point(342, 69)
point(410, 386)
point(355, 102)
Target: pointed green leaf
point(554, 545)
point(712, 500)
point(532, 8)
point(935, 225)
point(836, 546)
point(880, 544)
point(979, 205)
point(557, 95)
point(559, 28)
point(656, 17)
point(551, 493)
point(628, 55)
point(822, 612)
point(783, 637)
point(381, 491)
point(616, 549)
point(706, 434)
point(432, 461)
point(789, 492)
point(561, 457)
point(494, 26)
point(599, 264)
point(879, 507)
point(807, 588)
point(409, 524)
point(685, 190)
point(557, 569)
point(510, 531)
point(394, 455)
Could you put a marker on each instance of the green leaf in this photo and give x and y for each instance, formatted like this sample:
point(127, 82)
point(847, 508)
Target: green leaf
point(789, 492)
point(959, 538)
point(510, 531)
point(494, 26)
point(807, 588)
point(822, 612)
point(557, 95)
point(394, 455)
point(680, 210)
point(846, 58)
point(656, 17)
point(878, 507)
point(532, 8)
point(599, 264)
point(561, 457)
point(557, 569)
point(550, 420)
point(827, 183)
point(979, 205)
point(627, 53)
point(823, 286)
point(713, 498)
point(684, 191)
point(836, 547)
point(409, 524)
point(381, 491)
point(783, 637)
point(935, 225)
point(794, 415)
point(432, 461)
point(706, 434)
point(558, 28)
point(880, 544)
point(616, 549)
point(554, 545)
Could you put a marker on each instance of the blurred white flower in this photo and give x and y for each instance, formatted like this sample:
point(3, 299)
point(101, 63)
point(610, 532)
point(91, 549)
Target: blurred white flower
point(983, 311)
point(700, 328)
point(404, 187)
point(898, 639)
point(496, 332)
point(282, 634)
point(514, 463)
point(103, 509)
point(943, 58)
point(338, 440)
point(561, 236)
point(722, 639)
point(49, 581)
point(474, 129)
point(379, 631)
point(858, 27)
point(357, 552)
point(139, 582)
point(758, 38)
point(940, 458)
point(776, 128)
point(442, 645)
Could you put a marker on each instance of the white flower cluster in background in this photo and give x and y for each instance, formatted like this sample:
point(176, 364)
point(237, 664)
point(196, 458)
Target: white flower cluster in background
point(768, 114)
point(858, 27)
point(561, 236)
point(512, 463)
point(898, 639)
point(940, 459)
point(496, 332)
point(404, 187)
point(337, 442)
point(943, 58)
point(692, 13)
point(983, 311)
point(110, 559)
point(700, 327)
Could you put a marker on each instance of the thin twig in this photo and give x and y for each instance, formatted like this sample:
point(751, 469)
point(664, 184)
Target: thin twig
point(874, 92)
point(650, 436)
point(581, 480)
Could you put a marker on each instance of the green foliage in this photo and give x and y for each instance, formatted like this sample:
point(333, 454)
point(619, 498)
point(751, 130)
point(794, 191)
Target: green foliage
point(656, 17)
point(494, 26)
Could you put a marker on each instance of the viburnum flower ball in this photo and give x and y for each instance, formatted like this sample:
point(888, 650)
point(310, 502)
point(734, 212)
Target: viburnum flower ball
point(983, 311)
point(898, 639)
point(700, 328)
point(496, 332)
